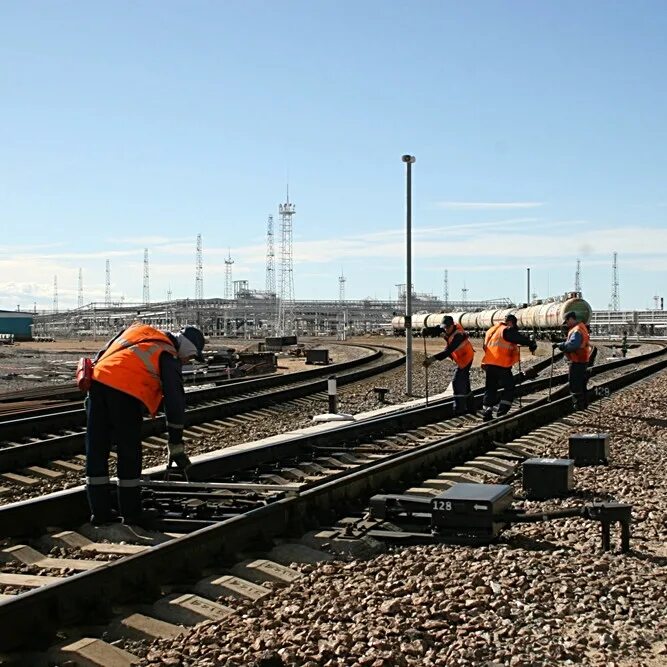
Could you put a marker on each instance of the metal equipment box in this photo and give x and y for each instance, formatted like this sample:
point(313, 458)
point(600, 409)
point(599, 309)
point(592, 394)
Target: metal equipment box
point(467, 510)
point(317, 356)
point(547, 478)
point(589, 448)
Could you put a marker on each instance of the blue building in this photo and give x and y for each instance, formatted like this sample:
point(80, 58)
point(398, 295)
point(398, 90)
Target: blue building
point(17, 323)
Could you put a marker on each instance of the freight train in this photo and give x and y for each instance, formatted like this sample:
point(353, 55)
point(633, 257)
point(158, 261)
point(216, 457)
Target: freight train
point(541, 318)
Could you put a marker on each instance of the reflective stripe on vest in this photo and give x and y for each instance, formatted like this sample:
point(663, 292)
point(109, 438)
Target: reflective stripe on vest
point(583, 353)
point(497, 350)
point(464, 353)
point(131, 364)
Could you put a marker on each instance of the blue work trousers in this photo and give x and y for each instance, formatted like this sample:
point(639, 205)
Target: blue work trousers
point(114, 417)
point(461, 386)
point(497, 376)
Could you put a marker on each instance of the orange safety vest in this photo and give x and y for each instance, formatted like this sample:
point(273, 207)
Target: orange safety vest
point(583, 354)
point(464, 353)
point(497, 350)
point(131, 364)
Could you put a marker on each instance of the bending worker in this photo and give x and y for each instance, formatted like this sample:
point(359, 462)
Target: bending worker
point(139, 368)
point(577, 349)
point(461, 352)
point(501, 352)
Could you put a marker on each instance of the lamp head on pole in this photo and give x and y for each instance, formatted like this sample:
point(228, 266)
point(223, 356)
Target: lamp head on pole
point(410, 159)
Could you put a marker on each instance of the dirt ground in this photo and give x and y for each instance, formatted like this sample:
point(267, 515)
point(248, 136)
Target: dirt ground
point(31, 364)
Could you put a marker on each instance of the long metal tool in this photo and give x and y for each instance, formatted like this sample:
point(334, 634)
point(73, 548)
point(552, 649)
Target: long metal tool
point(551, 375)
point(425, 370)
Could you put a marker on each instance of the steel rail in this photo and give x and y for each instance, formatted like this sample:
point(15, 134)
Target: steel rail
point(72, 441)
point(36, 615)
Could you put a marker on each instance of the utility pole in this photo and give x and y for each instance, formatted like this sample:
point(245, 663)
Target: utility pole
point(80, 299)
point(107, 286)
point(286, 323)
point(270, 258)
point(199, 271)
point(528, 286)
point(409, 160)
point(228, 275)
point(615, 297)
point(147, 292)
point(55, 294)
point(577, 277)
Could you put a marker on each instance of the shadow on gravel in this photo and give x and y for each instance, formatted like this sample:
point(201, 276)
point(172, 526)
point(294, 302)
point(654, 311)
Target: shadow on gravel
point(531, 544)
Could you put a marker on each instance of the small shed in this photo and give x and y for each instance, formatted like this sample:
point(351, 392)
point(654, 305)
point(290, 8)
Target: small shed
point(17, 323)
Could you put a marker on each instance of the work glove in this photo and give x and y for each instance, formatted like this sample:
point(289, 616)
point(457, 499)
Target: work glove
point(554, 346)
point(532, 346)
point(427, 362)
point(177, 456)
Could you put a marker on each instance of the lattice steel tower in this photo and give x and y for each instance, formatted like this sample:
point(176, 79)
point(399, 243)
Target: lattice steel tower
point(615, 297)
point(464, 294)
point(107, 286)
point(80, 300)
point(445, 288)
point(577, 277)
point(229, 286)
point(147, 290)
point(199, 271)
point(55, 294)
point(286, 284)
point(341, 287)
point(270, 258)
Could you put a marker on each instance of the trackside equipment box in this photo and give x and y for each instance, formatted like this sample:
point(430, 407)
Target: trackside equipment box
point(317, 356)
point(468, 509)
point(547, 478)
point(589, 448)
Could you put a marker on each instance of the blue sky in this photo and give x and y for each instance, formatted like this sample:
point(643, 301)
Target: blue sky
point(539, 131)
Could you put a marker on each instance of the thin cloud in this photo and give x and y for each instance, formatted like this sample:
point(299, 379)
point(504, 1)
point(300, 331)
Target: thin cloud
point(487, 206)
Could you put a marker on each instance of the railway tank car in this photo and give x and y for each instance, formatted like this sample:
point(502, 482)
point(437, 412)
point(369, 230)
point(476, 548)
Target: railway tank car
point(540, 318)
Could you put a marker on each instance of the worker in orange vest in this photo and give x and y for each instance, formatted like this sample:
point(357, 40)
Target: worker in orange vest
point(459, 349)
point(501, 352)
point(139, 368)
point(578, 351)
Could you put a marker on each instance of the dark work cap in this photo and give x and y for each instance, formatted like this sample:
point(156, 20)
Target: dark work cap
point(196, 337)
point(511, 318)
point(447, 321)
point(570, 315)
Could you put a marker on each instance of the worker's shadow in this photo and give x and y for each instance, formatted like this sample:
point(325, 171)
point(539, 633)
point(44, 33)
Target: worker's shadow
point(531, 544)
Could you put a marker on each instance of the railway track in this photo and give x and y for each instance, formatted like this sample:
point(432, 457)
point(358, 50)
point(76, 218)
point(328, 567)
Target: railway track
point(52, 434)
point(250, 495)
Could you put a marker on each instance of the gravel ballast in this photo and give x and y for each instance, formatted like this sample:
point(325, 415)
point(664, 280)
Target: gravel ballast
point(543, 595)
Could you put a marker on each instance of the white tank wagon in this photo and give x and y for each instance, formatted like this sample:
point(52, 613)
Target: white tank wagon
point(542, 317)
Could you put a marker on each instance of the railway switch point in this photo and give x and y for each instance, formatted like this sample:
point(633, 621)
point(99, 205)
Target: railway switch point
point(547, 478)
point(589, 448)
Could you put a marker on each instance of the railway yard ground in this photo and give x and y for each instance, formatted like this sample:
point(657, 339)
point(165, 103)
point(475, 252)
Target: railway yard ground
point(543, 594)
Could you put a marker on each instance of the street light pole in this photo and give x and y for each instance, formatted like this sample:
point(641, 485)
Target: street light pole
point(409, 161)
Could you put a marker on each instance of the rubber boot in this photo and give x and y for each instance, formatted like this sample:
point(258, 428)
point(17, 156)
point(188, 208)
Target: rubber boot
point(503, 409)
point(129, 502)
point(487, 414)
point(99, 499)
